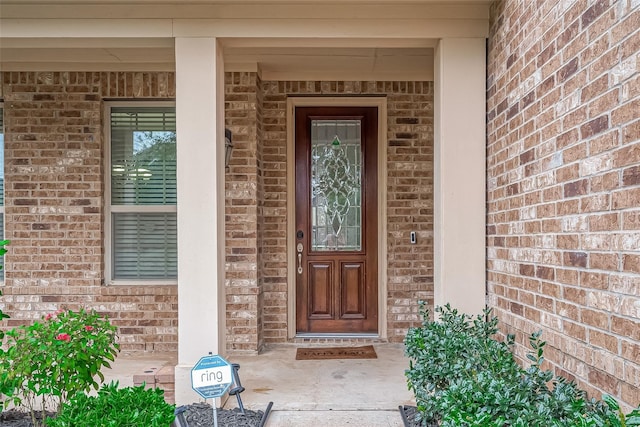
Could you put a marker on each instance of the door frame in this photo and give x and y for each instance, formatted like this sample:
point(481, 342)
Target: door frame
point(381, 103)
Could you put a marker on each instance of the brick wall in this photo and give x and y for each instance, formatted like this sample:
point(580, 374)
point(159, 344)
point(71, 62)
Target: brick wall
point(242, 287)
point(273, 246)
point(409, 197)
point(563, 184)
point(409, 203)
point(54, 207)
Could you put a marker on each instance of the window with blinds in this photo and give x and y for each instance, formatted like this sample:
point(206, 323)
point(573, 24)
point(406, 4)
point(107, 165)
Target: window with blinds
point(143, 193)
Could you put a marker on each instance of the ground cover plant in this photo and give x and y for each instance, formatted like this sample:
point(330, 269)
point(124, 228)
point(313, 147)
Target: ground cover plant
point(462, 375)
point(114, 406)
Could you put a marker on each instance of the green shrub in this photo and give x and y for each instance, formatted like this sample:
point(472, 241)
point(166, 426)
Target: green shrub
point(456, 347)
point(462, 376)
point(616, 418)
point(116, 407)
point(51, 360)
point(6, 387)
point(498, 398)
point(3, 315)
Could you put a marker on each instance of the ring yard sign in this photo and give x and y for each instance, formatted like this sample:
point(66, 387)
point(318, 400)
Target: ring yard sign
point(211, 377)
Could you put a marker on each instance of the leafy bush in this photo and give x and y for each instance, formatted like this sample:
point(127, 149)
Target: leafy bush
point(53, 359)
point(6, 387)
point(499, 398)
point(3, 315)
point(616, 418)
point(450, 350)
point(462, 376)
point(116, 407)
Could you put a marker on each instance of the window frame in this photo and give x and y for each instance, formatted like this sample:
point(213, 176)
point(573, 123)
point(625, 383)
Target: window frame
point(111, 209)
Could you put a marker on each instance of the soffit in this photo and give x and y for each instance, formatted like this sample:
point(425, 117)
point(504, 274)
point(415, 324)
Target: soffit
point(234, 9)
point(306, 39)
point(333, 59)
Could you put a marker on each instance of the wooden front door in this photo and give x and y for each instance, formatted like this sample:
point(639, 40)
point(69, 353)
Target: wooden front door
point(336, 220)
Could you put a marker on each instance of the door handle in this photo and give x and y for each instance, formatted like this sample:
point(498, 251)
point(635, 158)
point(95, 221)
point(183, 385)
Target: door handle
point(299, 248)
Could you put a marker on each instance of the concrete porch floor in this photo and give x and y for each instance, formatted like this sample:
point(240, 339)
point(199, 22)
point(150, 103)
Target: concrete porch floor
point(356, 392)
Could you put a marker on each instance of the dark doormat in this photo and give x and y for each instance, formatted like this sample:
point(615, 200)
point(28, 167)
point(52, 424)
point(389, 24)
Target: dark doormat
point(321, 353)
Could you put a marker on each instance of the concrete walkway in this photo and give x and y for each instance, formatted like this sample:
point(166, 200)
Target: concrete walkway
point(356, 392)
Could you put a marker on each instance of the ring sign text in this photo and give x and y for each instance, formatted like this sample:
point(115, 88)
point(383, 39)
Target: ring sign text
point(211, 377)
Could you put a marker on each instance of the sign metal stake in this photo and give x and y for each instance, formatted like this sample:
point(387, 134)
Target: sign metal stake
point(211, 377)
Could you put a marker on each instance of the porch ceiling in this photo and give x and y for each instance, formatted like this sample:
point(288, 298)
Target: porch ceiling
point(277, 59)
point(283, 39)
point(185, 8)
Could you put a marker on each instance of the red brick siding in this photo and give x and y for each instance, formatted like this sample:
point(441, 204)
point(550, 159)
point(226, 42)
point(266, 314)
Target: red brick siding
point(57, 260)
point(563, 190)
point(242, 287)
point(54, 206)
point(409, 194)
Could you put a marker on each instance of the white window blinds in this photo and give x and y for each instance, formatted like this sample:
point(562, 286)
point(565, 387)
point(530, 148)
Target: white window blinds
point(145, 246)
point(143, 193)
point(143, 156)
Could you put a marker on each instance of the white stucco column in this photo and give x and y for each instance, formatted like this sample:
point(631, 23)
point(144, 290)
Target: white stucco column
point(459, 174)
point(200, 157)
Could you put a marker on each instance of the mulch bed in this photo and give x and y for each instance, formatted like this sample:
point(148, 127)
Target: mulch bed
point(16, 418)
point(410, 417)
point(201, 415)
point(196, 415)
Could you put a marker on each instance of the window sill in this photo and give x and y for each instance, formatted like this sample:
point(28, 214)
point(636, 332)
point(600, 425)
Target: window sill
point(142, 283)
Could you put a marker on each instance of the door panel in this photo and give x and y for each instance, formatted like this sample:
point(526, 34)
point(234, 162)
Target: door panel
point(336, 219)
point(353, 297)
point(321, 285)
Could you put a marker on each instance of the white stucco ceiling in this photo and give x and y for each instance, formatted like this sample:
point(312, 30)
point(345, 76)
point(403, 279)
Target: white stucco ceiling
point(278, 60)
point(284, 39)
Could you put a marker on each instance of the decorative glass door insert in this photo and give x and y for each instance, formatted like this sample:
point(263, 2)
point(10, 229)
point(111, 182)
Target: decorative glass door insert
point(336, 185)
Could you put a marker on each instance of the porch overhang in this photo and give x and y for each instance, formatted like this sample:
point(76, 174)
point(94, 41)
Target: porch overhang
point(382, 40)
